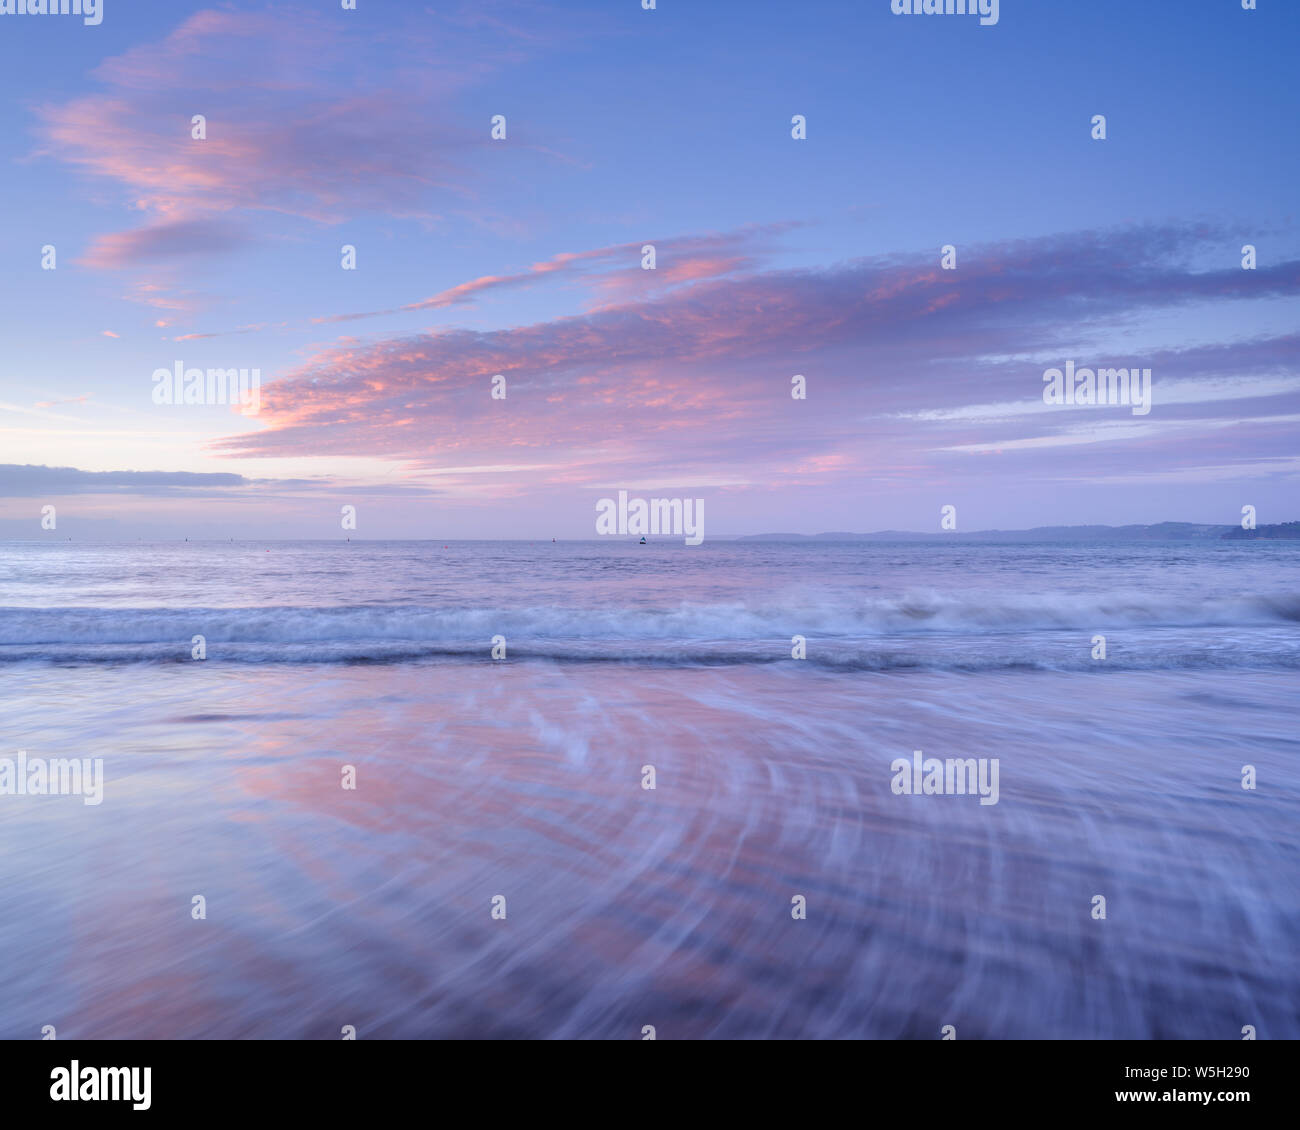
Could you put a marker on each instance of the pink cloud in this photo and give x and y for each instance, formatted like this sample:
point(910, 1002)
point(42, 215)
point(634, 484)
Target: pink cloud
point(164, 241)
point(697, 379)
point(302, 119)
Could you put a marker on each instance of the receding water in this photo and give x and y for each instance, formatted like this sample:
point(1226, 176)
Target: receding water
point(626, 907)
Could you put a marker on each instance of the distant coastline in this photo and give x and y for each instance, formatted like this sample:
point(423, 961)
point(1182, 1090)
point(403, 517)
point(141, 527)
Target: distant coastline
point(104, 530)
point(1161, 531)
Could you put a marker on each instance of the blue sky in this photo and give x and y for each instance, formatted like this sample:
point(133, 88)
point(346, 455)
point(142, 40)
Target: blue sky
point(624, 127)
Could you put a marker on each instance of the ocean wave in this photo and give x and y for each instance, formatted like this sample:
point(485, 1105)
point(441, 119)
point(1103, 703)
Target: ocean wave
point(916, 631)
point(912, 613)
point(848, 664)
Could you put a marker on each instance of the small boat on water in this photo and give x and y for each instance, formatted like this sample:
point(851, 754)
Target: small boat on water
point(641, 542)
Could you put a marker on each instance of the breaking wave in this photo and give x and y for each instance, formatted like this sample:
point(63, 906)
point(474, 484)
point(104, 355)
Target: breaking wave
point(918, 629)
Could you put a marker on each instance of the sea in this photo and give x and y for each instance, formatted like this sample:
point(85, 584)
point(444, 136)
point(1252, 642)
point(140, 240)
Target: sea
point(603, 790)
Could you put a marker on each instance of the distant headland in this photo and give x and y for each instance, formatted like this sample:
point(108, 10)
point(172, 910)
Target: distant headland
point(1161, 531)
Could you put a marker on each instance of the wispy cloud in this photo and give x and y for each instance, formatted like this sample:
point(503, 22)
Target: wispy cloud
point(19, 480)
point(66, 400)
point(698, 376)
point(165, 241)
point(302, 119)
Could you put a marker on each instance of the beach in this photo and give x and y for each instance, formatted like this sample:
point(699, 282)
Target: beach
point(500, 868)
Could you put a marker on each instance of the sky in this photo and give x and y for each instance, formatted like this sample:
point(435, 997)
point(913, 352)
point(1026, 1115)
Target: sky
point(522, 257)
